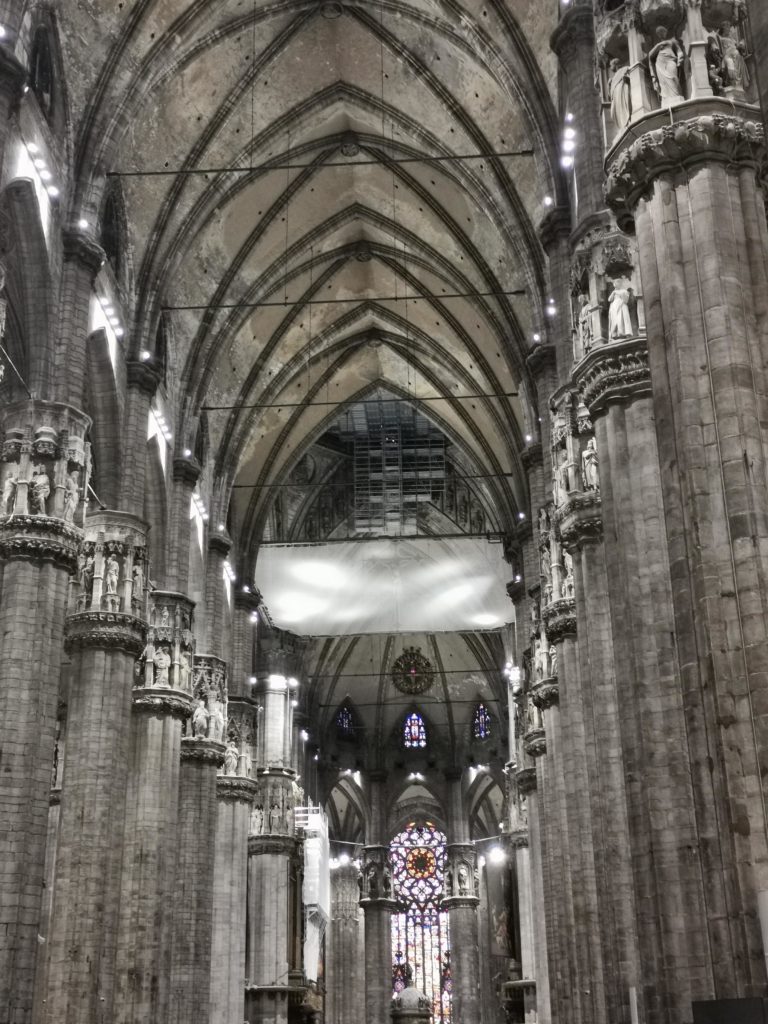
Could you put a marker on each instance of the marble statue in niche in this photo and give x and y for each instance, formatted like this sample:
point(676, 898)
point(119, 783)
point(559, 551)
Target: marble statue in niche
point(589, 466)
point(275, 818)
point(257, 820)
point(10, 483)
point(585, 324)
point(200, 720)
point(231, 759)
point(665, 61)
point(552, 660)
point(162, 663)
point(619, 319)
point(185, 670)
point(39, 490)
point(463, 879)
point(619, 93)
point(217, 725)
point(112, 575)
point(733, 68)
point(71, 495)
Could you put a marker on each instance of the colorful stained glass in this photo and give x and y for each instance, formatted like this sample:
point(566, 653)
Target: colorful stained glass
point(414, 731)
point(344, 722)
point(481, 724)
point(420, 939)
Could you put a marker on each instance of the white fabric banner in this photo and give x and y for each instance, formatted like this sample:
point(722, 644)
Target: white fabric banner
point(419, 584)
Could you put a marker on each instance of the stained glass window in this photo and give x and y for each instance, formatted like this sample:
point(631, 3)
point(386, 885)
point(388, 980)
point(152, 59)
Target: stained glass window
point(481, 725)
point(420, 939)
point(414, 731)
point(344, 722)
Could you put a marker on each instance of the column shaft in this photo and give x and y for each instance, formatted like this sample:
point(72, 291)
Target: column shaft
point(345, 976)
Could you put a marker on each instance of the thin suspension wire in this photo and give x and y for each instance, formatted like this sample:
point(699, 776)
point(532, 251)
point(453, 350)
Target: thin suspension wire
point(495, 293)
point(363, 401)
point(271, 165)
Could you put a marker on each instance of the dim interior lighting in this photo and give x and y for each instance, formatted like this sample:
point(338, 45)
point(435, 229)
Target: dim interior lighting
point(293, 683)
point(83, 224)
point(246, 588)
point(316, 757)
point(304, 735)
point(294, 703)
point(548, 200)
point(537, 337)
point(481, 861)
point(528, 438)
point(415, 777)
point(187, 453)
point(252, 680)
point(39, 163)
point(109, 310)
point(550, 310)
point(344, 859)
point(229, 572)
point(45, 174)
point(568, 145)
point(497, 855)
point(3, 32)
point(518, 578)
point(566, 161)
point(221, 527)
point(119, 332)
point(113, 319)
point(145, 355)
point(569, 133)
point(569, 118)
point(33, 148)
point(521, 515)
point(52, 191)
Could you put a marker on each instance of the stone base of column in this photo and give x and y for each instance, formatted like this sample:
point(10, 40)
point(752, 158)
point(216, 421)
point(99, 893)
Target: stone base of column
point(267, 1004)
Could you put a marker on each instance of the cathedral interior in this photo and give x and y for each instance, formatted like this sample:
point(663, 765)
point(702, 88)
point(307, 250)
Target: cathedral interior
point(384, 526)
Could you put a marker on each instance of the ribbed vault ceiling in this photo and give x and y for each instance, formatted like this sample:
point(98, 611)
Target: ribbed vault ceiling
point(329, 133)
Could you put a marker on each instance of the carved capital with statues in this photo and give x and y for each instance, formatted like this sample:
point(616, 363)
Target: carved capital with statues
point(614, 373)
point(162, 703)
point(35, 539)
point(560, 620)
point(258, 845)
point(209, 699)
point(580, 520)
point(167, 661)
point(112, 567)
point(546, 694)
point(375, 879)
point(202, 751)
point(277, 796)
point(462, 885)
point(701, 132)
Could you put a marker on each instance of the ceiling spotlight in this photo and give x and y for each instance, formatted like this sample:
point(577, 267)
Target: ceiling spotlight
point(145, 355)
point(119, 332)
point(32, 147)
point(52, 191)
point(38, 162)
point(497, 855)
point(45, 174)
point(187, 453)
point(83, 224)
point(3, 32)
point(548, 200)
point(537, 337)
point(521, 515)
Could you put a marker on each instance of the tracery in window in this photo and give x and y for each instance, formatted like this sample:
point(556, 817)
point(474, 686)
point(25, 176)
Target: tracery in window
point(344, 722)
point(414, 731)
point(420, 938)
point(481, 723)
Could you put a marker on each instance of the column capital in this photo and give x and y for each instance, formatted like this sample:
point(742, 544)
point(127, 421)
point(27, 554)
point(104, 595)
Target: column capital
point(525, 780)
point(576, 27)
point(532, 455)
point(580, 520)
point(546, 693)
point(712, 130)
point(83, 247)
point(540, 358)
point(518, 840)
point(106, 630)
point(205, 751)
point(560, 620)
point(555, 227)
point(220, 543)
point(258, 845)
point(186, 470)
point(144, 375)
point(162, 703)
point(614, 373)
point(535, 742)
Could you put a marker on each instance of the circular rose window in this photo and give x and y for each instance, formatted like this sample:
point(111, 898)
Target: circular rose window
point(412, 672)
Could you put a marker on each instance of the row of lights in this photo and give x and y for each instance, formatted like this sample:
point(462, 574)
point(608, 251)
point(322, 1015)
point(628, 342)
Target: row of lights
point(163, 425)
point(42, 169)
point(569, 143)
point(110, 312)
point(202, 511)
point(229, 572)
point(514, 676)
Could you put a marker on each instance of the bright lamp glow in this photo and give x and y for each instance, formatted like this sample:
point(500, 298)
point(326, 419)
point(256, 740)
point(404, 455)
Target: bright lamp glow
point(496, 855)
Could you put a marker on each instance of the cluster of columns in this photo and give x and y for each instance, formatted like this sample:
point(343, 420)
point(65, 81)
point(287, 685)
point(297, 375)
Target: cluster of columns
point(637, 760)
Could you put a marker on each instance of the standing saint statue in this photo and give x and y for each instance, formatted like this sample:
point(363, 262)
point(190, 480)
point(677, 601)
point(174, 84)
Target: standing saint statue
point(733, 66)
point(112, 575)
point(665, 60)
point(231, 758)
point(589, 464)
point(162, 663)
point(40, 488)
point(200, 720)
point(71, 495)
point(619, 93)
point(619, 320)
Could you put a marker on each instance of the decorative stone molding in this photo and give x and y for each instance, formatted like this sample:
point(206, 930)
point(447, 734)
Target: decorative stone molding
point(106, 631)
point(525, 780)
point(535, 743)
point(532, 455)
point(278, 794)
point(706, 137)
point(205, 751)
point(236, 789)
point(541, 358)
point(546, 693)
point(580, 520)
point(259, 845)
point(144, 375)
point(560, 620)
point(186, 470)
point(166, 703)
point(614, 373)
point(39, 539)
point(518, 840)
point(80, 246)
point(375, 877)
point(462, 885)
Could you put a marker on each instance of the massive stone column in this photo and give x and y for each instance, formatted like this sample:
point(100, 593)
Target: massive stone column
point(703, 246)
point(105, 636)
point(44, 470)
point(461, 900)
point(378, 907)
point(162, 701)
point(202, 754)
point(272, 849)
point(345, 976)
